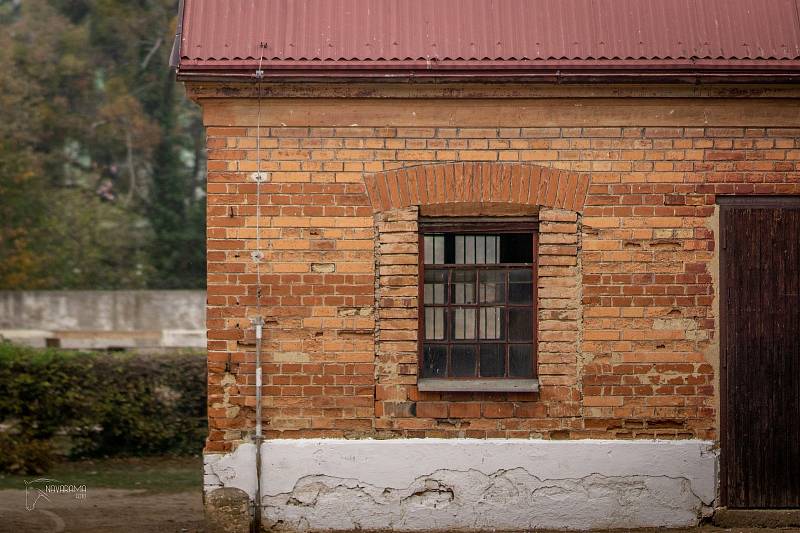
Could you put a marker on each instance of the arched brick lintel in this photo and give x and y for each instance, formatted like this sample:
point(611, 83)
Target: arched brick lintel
point(477, 183)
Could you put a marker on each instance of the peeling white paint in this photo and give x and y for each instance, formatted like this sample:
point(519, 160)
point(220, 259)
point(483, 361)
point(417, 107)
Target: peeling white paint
point(235, 469)
point(438, 484)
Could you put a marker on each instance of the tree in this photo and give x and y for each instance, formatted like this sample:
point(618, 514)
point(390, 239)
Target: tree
point(101, 161)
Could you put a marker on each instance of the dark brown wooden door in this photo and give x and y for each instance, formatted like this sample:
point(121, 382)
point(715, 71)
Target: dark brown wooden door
point(760, 352)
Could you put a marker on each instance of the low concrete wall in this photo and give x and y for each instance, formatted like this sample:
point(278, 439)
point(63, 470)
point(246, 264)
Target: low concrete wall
point(104, 319)
point(460, 484)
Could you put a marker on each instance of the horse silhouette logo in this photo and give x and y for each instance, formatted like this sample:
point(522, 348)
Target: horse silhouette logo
point(44, 487)
point(34, 491)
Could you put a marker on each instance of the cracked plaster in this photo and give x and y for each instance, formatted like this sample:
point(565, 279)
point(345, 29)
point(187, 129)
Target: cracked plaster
point(435, 484)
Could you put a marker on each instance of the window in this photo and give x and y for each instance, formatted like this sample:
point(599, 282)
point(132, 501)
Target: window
point(478, 315)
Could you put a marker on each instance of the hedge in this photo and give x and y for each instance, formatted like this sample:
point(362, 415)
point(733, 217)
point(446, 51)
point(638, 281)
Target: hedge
point(93, 404)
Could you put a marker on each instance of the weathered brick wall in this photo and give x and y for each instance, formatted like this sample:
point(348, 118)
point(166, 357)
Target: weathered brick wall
point(627, 318)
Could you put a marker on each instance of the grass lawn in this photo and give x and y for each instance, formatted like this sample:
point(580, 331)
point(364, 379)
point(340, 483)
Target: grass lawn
point(151, 474)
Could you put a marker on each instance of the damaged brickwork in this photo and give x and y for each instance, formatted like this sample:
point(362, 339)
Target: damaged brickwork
point(628, 341)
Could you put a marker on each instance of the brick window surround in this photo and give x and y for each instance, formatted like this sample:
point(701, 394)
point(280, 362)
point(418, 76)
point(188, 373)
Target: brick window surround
point(470, 184)
point(399, 198)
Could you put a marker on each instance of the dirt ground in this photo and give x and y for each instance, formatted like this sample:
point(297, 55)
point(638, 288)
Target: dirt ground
point(129, 511)
point(139, 511)
point(103, 510)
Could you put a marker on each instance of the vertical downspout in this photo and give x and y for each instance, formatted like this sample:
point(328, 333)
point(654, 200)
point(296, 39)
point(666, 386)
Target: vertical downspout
point(259, 324)
point(258, 320)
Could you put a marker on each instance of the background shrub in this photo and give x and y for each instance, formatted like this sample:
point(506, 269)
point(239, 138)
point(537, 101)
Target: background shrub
point(89, 404)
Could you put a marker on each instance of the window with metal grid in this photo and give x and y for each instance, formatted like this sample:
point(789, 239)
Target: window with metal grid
point(478, 313)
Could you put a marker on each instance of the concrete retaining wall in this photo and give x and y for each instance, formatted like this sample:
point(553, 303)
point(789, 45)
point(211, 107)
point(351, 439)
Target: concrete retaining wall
point(458, 484)
point(104, 319)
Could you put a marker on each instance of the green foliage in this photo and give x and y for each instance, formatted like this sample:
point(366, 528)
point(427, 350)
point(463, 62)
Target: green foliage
point(97, 404)
point(101, 247)
point(101, 156)
point(18, 456)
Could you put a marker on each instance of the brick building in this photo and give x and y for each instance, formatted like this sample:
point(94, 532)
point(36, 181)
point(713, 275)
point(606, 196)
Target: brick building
point(488, 260)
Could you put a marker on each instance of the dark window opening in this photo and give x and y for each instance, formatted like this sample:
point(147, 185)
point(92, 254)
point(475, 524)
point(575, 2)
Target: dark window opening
point(478, 312)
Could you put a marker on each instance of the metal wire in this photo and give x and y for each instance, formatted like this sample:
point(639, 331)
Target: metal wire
point(258, 179)
point(258, 321)
point(258, 256)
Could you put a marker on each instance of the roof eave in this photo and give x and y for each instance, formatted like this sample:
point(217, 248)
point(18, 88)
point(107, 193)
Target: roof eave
point(750, 72)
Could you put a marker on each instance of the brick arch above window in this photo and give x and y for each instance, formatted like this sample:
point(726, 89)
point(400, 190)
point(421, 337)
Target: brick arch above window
point(476, 184)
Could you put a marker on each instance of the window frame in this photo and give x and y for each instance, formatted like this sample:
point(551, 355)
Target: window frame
point(477, 226)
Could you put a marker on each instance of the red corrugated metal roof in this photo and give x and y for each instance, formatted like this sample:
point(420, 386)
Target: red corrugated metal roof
point(447, 36)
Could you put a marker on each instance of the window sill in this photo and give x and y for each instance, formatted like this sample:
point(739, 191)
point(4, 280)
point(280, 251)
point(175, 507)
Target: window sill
point(478, 385)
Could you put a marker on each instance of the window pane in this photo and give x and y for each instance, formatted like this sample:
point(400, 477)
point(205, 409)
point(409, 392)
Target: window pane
point(434, 323)
point(520, 293)
point(493, 286)
point(435, 281)
point(520, 324)
point(463, 359)
point(463, 323)
point(520, 287)
point(520, 361)
point(491, 323)
point(434, 249)
point(480, 249)
point(492, 249)
point(428, 249)
point(463, 287)
point(434, 361)
point(492, 360)
point(521, 275)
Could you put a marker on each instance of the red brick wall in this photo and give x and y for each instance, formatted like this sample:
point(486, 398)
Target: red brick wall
point(630, 354)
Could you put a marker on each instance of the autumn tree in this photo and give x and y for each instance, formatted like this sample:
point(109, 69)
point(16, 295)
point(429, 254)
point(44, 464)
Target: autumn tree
point(101, 162)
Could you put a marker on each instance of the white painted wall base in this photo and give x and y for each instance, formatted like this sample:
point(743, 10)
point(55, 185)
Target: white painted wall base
point(465, 484)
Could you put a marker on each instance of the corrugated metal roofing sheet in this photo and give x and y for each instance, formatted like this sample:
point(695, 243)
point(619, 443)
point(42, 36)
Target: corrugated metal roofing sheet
point(486, 34)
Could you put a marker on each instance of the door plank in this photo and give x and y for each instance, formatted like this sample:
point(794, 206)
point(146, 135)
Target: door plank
point(760, 352)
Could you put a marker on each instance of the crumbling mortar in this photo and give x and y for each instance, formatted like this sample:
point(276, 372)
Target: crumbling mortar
point(580, 360)
point(377, 220)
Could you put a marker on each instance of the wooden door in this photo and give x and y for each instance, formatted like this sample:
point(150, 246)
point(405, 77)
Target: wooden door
point(760, 352)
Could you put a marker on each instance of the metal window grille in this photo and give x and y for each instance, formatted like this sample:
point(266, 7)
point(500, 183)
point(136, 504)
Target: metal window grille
point(478, 294)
